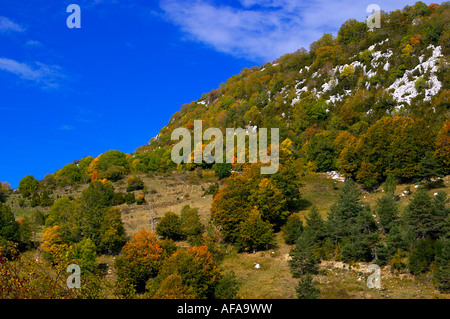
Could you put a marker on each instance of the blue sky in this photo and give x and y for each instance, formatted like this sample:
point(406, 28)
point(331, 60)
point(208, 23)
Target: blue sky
point(114, 83)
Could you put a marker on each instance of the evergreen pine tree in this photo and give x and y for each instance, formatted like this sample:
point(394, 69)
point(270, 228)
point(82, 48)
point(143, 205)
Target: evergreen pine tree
point(362, 242)
point(46, 201)
point(293, 229)
point(421, 215)
point(441, 212)
point(303, 261)
point(390, 184)
point(422, 256)
point(387, 211)
point(307, 288)
point(442, 272)
point(35, 200)
point(429, 167)
point(9, 228)
point(315, 226)
point(343, 213)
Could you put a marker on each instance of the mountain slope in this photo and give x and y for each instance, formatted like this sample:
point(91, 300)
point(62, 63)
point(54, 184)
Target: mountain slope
point(343, 85)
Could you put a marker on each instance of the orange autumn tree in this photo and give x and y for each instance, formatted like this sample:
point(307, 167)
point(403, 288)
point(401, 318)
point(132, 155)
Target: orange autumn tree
point(140, 259)
point(197, 269)
point(94, 177)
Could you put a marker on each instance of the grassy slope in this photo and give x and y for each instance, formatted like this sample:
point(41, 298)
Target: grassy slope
point(171, 192)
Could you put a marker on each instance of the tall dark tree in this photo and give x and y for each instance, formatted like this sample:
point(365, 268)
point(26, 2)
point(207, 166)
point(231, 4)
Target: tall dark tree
point(307, 288)
point(9, 228)
point(293, 229)
point(343, 214)
point(429, 167)
point(362, 242)
point(303, 260)
point(442, 272)
point(387, 211)
point(315, 227)
point(422, 217)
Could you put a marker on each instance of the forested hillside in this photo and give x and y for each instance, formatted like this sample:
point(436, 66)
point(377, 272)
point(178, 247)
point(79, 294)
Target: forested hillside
point(366, 103)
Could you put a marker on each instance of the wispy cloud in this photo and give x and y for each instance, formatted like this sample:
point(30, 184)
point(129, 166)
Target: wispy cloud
point(6, 25)
point(66, 127)
point(262, 30)
point(33, 43)
point(47, 76)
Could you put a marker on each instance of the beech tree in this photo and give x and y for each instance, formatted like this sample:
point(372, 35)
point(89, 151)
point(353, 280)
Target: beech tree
point(28, 184)
point(254, 232)
point(140, 260)
point(197, 269)
point(169, 227)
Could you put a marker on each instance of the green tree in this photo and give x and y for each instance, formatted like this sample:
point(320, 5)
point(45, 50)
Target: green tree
point(110, 159)
point(442, 212)
point(83, 167)
point(315, 228)
point(227, 286)
point(270, 201)
point(97, 195)
point(307, 288)
point(222, 170)
point(191, 226)
point(287, 180)
point(231, 205)
point(390, 185)
point(387, 211)
point(303, 260)
point(293, 229)
point(196, 267)
point(362, 242)
point(352, 32)
point(71, 171)
point(429, 167)
point(422, 256)
point(28, 184)
point(35, 200)
point(9, 228)
point(255, 233)
point(321, 150)
point(112, 231)
point(442, 271)
point(68, 216)
point(46, 201)
point(343, 214)
point(135, 183)
point(130, 198)
point(114, 173)
point(85, 253)
point(421, 216)
point(170, 226)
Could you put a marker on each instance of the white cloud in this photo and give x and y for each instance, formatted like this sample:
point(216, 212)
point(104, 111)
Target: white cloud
point(66, 127)
point(33, 43)
point(45, 75)
point(6, 25)
point(266, 29)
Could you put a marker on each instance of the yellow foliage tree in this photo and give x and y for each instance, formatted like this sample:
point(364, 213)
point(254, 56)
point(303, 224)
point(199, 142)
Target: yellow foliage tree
point(54, 249)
